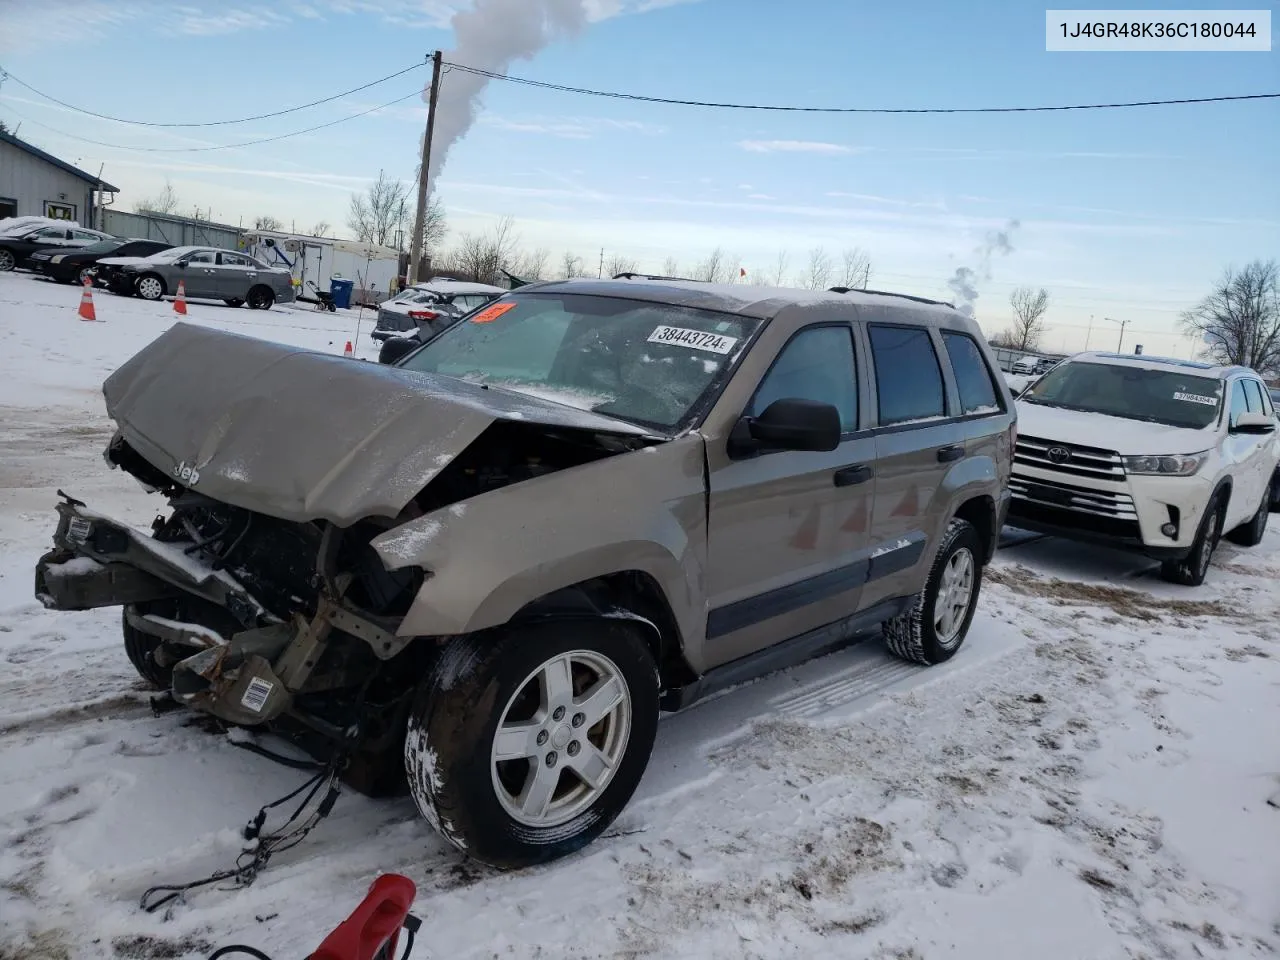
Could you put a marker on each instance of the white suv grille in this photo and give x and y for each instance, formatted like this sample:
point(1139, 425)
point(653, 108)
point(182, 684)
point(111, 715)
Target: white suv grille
point(1069, 459)
point(1067, 496)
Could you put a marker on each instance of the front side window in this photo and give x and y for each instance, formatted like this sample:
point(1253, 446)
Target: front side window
point(1134, 393)
point(908, 378)
point(649, 363)
point(817, 364)
point(203, 257)
point(973, 376)
point(1253, 393)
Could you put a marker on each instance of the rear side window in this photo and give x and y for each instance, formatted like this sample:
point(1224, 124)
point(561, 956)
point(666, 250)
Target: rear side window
point(973, 376)
point(908, 378)
point(816, 365)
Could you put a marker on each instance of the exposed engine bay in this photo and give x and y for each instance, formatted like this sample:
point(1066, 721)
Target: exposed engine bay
point(287, 625)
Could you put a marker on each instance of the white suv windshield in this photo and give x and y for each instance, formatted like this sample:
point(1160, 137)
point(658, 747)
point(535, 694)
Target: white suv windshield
point(1135, 393)
point(650, 363)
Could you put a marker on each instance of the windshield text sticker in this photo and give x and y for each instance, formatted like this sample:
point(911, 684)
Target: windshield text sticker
point(492, 313)
point(693, 339)
point(1196, 398)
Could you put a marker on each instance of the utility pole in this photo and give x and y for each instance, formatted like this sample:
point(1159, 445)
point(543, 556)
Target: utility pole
point(415, 243)
point(1123, 324)
point(1089, 332)
point(600, 272)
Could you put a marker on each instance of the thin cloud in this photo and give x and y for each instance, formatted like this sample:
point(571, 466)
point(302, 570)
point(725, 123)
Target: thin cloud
point(569, 128)
point(793, 146)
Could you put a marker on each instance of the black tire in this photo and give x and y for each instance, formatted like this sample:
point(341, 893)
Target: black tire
point(82, 274)
point(150, 291)
point(7, 260)
point(139, 647)
point(260, 298)
point(234, 302)
point(331, 307)
point(455, 717)
point(1275, 492)
point(914, 636)
point(1191, 570)
point(1250, 534)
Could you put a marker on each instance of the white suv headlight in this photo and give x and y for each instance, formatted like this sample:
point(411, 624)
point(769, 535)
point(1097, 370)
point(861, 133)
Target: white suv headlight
point(1175, 465)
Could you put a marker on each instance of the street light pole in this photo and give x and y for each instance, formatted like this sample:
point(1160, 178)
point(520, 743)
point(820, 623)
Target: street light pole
point(1123, 324)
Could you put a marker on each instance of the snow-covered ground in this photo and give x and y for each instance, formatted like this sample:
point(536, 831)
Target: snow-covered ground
point(1087, 780)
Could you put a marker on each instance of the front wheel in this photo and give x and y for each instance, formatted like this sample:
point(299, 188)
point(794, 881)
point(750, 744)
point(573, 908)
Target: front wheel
point(935, 626)
point(7, 261)
point(1190, 571)
point(150, 287)
point(525, 742)
point(84, 276)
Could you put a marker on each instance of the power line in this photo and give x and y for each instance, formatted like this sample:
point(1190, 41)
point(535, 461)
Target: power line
point(781, 108)
point(220, 146)
point(5, 75)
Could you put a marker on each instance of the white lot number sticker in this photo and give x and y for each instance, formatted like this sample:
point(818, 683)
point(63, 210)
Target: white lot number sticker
point(693, 339)
point(1196, 398)
point(255, 695)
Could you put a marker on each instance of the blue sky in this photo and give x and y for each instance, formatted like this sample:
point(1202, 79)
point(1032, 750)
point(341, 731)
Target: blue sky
point(1122, 214)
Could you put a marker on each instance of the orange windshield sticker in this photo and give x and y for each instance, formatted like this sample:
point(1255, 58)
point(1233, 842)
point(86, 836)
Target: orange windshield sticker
point(492, 313)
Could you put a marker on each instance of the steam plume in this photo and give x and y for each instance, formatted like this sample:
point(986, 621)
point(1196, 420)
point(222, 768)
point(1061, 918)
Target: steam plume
point(964, 282)
point(491, 36)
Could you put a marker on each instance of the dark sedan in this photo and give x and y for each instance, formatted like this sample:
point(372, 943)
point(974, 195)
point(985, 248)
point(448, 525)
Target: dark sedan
point(74, 266)
point(16, 249)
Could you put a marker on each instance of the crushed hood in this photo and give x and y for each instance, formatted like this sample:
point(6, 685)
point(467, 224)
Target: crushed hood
point(1126, 437)
point(303, 435)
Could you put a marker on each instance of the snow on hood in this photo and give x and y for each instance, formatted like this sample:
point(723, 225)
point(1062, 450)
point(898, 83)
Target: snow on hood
point(121, 261)
point(303, 435)
point(1127, 437)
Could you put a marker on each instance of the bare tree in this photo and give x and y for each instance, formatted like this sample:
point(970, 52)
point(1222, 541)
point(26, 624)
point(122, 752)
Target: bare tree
point(1029, 308)
point(780, 269)
point(483, 257)
point(532, 265)
point(617, 264)
point(321, 229)
point(712, 269)
point(384, 215)
point(570, 265)
point(166, 201)
point(857, 269)
point(671, 267)
point(817, 275)
point(1239, 321)
point(733, 270)
point(267, 223)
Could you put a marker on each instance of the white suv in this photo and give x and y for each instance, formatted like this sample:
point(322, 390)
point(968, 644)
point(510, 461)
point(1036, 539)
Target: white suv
point(1156, 455)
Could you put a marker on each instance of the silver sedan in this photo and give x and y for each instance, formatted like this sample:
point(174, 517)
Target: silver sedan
point(208, 273)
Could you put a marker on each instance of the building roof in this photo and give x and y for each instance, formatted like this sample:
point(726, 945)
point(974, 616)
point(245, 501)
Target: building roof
point(61, 164)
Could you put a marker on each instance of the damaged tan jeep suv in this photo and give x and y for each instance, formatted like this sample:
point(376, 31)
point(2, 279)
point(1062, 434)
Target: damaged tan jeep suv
point(488, 568)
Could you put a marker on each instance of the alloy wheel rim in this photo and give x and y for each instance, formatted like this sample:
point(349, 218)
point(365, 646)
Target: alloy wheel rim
point(6, 261)
point(955, 595)
point(561, 738)
point(149, 288)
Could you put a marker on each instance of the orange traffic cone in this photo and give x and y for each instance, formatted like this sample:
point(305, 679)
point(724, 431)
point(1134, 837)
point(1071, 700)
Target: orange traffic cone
point(86, 310)
point(180, 302)
point(347, 351)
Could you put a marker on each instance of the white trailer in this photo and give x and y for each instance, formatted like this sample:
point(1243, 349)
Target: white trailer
point(317, 260)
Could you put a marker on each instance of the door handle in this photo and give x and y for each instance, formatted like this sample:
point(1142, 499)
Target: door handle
point(850, 476)
point(951, 453)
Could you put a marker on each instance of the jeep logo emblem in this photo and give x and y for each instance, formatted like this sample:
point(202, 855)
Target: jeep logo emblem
point(1059, 454)
point(186, 473)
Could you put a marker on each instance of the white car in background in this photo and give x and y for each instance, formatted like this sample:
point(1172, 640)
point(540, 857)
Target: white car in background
point(1149, 454)
point(433, 305)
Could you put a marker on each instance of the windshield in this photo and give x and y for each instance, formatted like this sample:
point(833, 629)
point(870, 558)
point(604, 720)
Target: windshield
point(103, 246)
point(173, 253)
point(649, 363)
point(1156, 396)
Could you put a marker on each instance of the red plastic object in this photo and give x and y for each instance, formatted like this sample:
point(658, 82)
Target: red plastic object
point(372, 932)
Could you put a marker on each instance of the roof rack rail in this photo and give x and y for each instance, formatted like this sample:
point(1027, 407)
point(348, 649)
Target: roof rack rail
point(892, 293)
point(630, 275)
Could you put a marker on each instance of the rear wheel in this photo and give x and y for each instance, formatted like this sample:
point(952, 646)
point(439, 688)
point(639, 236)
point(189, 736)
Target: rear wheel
point(1190, 571)
point(524, 743)
point(937, 623)
point(150, 287)
point(260, 298)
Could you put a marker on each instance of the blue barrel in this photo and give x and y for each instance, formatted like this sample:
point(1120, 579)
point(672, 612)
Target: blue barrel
point(340, 290)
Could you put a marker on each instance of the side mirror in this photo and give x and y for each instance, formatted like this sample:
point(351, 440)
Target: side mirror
point(181, 264)
point(794, 424)
point(1254, 423)
point(393, 348)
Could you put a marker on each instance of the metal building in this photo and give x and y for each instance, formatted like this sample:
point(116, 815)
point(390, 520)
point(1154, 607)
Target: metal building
point(37, 184)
